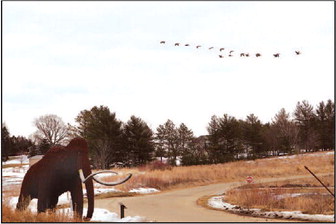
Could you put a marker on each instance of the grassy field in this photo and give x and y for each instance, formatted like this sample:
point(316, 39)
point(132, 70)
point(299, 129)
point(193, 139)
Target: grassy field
point(305, 195)
point(182, 177)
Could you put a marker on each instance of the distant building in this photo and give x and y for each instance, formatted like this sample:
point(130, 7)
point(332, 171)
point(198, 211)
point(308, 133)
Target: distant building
point(34, 159)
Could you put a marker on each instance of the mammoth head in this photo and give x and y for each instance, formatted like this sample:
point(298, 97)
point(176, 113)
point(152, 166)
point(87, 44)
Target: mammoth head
point(79, 149)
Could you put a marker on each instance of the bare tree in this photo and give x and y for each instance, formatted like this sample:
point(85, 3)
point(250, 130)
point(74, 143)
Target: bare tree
point(51, 128)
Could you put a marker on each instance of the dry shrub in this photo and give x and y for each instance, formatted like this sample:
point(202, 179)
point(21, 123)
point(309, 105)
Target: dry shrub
point(255, 198)
point(155, 165)
point(313, 204)
point(268, 199)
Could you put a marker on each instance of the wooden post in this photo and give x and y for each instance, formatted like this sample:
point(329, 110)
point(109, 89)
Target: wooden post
point(122, 210)
point(319, 181)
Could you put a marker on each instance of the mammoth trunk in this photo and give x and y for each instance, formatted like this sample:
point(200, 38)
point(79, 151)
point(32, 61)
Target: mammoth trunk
point(89, 192)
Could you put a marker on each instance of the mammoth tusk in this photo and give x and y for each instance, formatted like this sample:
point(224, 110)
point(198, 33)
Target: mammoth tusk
point(113, 183)
point(83, 179)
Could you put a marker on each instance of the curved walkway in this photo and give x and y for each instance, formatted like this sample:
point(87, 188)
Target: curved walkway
point(180, 205)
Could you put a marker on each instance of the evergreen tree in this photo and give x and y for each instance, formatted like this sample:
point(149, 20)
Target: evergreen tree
point(168, 140)
point(330, 114)
point(5, 143)
point(214, 139)
point(20, 145)
point(252, 133)
point(325, 118)
point(306, 121)
point(103, 132)
point(186, 136)
point(139, 141)
point(285, 131)
point(225, 138)
point(189, 151)
point(43, 146)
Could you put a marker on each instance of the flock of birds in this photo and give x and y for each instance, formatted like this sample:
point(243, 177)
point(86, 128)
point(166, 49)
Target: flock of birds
point(242, 54)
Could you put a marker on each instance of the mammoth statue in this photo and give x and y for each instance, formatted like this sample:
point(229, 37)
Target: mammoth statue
point(62, 169)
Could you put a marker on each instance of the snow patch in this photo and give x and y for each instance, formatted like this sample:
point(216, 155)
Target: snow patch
point(23, 159)
point(217, 202)
point(99, 214)
point(142, 190)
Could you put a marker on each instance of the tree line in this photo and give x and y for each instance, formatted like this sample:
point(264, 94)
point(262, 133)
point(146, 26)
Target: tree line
point(112, 142)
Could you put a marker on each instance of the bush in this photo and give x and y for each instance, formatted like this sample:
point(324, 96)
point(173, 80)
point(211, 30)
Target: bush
point(156, 165)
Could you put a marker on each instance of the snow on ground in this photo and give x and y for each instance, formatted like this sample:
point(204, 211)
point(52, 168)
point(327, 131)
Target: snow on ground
point(99, 214)
point(142, 190)
point(307, 154)
point(14, 176)
point(23, 159)
point(293, 195)
point(217, 202)
point(103, 215)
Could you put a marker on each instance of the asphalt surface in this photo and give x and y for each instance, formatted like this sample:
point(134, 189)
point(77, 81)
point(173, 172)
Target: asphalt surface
point(180, 205)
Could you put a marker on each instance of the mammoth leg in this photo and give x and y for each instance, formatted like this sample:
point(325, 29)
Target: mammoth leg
point(23, 202)
point(53, 202)
point(44, 197)
point(76, 192)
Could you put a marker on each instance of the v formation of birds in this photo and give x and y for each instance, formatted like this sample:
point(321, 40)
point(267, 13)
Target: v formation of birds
point(231, 52)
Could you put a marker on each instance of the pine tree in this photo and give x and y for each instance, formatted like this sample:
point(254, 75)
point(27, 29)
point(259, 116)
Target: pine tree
point(285, 131)
point(252, 132)
point(325, 117)
point(186, 137)
point(225, 138)
point(187, 148)
point(103, 132)
point(139, 141)
point(168, 140)
point(5, 143)
point(306, 120)
point(330, 114)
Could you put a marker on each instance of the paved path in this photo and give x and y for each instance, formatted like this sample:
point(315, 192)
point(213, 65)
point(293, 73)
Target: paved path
point(180, 205)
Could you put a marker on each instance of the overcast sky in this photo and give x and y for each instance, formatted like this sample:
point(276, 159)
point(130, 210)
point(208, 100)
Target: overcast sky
point(64, 57)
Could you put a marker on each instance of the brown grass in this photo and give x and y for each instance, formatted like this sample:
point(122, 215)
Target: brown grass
point(263, 196)
point(11, 215)
point(17, 165)
point(234, 171)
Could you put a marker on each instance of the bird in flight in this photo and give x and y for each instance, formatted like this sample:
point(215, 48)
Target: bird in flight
point(242, 54)
point(230, 55)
